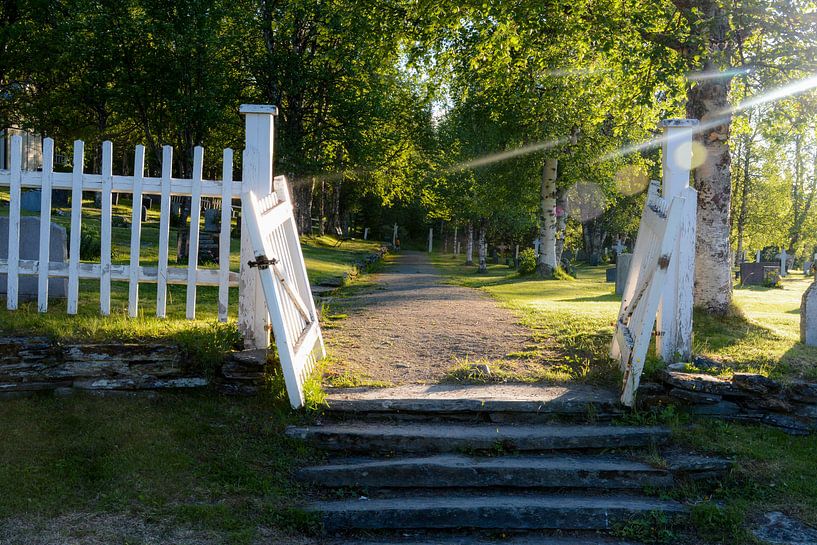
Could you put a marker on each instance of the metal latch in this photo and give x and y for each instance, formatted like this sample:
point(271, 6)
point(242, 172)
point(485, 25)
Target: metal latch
point(262, 262)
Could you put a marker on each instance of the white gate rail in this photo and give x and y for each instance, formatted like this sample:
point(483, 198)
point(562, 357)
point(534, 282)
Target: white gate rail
point(106, 183)
point(280, 263)
point(653, 255)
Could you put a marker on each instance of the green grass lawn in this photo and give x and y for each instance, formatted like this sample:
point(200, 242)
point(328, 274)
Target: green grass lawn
point(221, 467)
point(573, 321)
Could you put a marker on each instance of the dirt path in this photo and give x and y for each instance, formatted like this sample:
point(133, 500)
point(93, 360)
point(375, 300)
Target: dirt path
point(414, 328)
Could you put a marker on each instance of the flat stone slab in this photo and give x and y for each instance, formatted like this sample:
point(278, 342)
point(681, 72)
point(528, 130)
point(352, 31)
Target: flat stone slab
point(780, 529)
point(594, 539)
point(495, 511)
point(449, 470)
point(433, 437)
point(457, 398)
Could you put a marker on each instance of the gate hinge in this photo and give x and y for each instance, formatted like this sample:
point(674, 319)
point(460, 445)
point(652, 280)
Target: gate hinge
point(262, 262)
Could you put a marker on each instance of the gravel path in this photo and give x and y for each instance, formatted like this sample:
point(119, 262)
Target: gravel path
point(413, 328)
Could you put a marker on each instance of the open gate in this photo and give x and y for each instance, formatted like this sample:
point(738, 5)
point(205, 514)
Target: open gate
point(654, 250)
point(280, 263)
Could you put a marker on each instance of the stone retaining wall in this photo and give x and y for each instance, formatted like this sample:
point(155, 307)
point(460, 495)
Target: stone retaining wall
point(745, 397)
point(31, 364)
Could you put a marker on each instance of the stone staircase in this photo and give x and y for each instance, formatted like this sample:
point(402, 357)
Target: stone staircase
point(443, 473)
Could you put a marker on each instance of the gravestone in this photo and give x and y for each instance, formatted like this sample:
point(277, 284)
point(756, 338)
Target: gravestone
point(30, 250)
point(808, 316)
point(147, 201)
point(755, 274)
point(212, 220)
point(807, 268)
point(30, 200)
point(144, 213)
point(611, 274)
point(622, 270)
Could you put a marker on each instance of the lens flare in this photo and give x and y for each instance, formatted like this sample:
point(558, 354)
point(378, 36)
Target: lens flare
point(631, 179)
point(585, 201)
point(505, 155)
point(721, 117)
point(715, 74)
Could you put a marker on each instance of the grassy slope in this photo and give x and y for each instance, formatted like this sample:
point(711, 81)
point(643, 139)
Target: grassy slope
point(774, 471)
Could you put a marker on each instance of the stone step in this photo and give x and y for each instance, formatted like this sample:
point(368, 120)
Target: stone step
point(587, 539)
point(497, 402)
point(494, 511)
point(456, 471)
point(432, 437)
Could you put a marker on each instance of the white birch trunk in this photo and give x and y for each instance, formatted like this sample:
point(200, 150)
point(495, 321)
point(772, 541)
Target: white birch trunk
point(547, 219)
point(483, 249)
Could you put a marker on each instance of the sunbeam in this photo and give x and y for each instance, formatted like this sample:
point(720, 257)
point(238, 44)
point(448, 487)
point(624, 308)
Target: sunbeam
point(720, 118)
point(505, 155)
point(714, 74)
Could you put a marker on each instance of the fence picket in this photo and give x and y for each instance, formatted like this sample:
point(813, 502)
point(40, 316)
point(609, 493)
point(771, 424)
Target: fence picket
point(105, 228)
point(164, 232)
point(45, 225)
point(14, 221)
point(136, 231)
point(195, 217)
point(76, 227)
point(224, 236)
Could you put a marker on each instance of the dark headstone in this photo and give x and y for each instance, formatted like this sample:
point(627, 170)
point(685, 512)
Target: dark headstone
point(30, 200)
point(30, 249)
point(755, 274)
point(144, 213)
point(212, 220)
point(611, 274)
point(622, 270)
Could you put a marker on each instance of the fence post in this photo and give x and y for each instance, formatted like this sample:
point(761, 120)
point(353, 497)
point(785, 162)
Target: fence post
point(674, 320)
point(253, 316)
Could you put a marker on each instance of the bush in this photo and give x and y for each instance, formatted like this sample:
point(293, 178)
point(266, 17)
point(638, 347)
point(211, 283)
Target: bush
point(527, 261)
point(90, 241)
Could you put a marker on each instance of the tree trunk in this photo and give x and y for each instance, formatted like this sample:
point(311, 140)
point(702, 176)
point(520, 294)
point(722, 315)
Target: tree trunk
point(483, 248)
point(547, 221)
point(469, 245)
point(594, 237)
point(336, 206)
point(707, 101)
point(322, 211)
point(561, 223)
point(744, 196)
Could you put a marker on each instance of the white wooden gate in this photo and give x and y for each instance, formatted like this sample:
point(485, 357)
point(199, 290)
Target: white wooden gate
point(280, 263)
point(656, 243)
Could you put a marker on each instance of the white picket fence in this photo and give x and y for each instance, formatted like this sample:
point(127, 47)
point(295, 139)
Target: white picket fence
point(106, 183)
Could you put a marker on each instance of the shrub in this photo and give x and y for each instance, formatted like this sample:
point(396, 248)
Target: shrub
point(90, 241)
point(527, 261)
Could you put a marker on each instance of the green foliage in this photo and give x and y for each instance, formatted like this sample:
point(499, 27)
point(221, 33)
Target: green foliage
point(527, 261)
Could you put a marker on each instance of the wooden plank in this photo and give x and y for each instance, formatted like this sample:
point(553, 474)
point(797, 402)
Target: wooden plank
point(14, 221)
point(147, 275)
point(123, 184)
point(224, 236)
point(644, 318)
point(76, 227)
point(164, 232)
point(685, 262)
point(105, 229)
point(45, 225)
point(136, 231)
point(195, 218)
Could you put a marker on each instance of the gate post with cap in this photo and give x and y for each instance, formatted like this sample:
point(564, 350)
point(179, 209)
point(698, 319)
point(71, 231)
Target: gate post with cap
point(674, 320)
point(253, 316)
